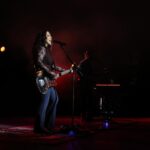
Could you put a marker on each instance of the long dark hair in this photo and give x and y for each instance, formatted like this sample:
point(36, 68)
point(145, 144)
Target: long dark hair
point(38, 43)
point(40, 39)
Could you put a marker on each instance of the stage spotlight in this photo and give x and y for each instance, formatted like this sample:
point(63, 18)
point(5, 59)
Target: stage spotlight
point(2, 48)
point(106, 124)
point(72, 133)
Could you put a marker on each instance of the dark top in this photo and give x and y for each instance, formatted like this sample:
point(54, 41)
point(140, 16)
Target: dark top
point(44, 61)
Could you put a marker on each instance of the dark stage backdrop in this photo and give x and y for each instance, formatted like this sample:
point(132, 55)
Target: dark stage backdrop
point(117, 33)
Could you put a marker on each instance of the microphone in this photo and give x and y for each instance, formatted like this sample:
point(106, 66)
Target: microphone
point(59, 42)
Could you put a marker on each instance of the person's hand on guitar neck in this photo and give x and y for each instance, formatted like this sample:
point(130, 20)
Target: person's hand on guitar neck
point(67, 71)
point(74, 66)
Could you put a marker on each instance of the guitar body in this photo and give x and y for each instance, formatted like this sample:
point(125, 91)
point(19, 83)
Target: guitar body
point(43, 82)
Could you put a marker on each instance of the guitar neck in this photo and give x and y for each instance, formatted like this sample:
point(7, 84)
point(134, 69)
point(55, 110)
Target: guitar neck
point(65, 72)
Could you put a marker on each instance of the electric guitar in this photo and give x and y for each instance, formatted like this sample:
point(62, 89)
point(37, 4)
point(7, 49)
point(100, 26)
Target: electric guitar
point(43, 82)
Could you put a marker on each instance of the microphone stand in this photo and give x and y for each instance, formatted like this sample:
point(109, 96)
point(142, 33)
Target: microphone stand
point(71, 129)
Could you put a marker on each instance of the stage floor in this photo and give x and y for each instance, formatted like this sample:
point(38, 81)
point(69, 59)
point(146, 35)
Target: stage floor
point(73, 134)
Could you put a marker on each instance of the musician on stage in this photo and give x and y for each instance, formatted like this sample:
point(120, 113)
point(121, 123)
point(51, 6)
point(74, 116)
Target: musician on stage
point(46, 71)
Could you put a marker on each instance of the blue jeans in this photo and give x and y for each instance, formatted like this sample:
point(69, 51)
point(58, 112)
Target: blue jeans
point(47, 110)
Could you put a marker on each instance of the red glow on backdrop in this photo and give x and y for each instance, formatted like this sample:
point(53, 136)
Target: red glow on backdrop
point(118, 33)
point(64, 82)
